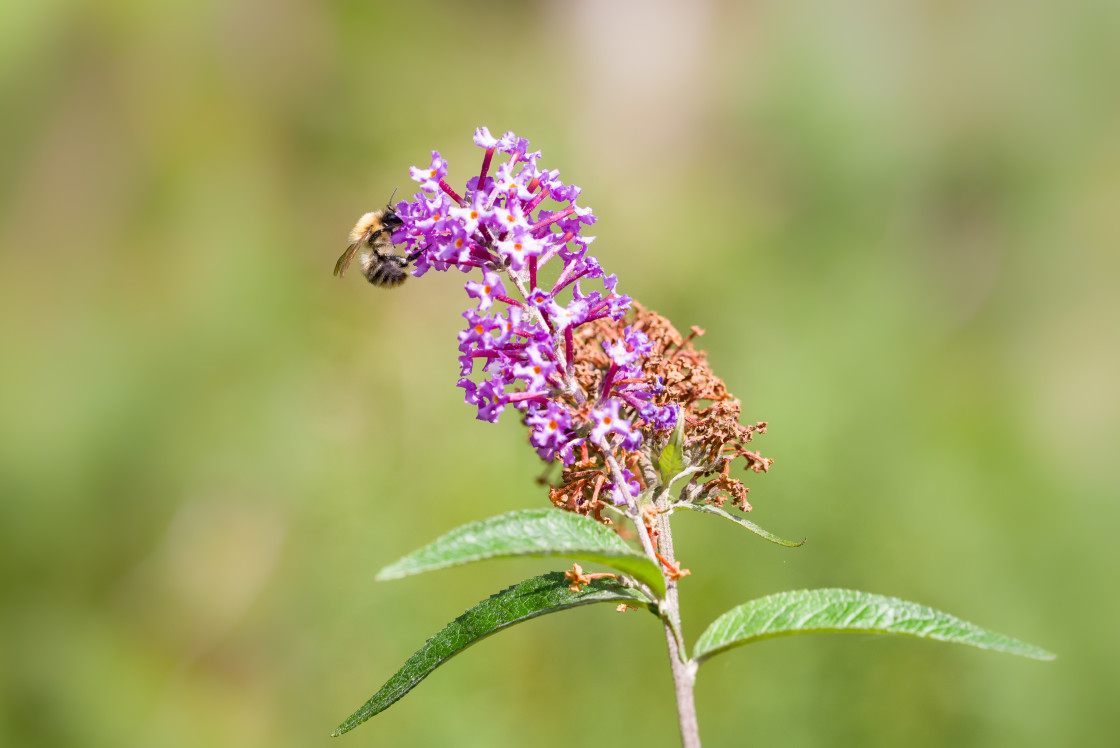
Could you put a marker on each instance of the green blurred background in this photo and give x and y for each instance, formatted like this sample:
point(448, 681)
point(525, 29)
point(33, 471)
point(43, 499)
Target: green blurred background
point(897, 221)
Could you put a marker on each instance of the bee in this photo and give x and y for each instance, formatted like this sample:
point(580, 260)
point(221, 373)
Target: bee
point(371, 239)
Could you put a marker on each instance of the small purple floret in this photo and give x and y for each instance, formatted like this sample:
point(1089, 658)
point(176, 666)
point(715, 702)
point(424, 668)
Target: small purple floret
point(512, 220)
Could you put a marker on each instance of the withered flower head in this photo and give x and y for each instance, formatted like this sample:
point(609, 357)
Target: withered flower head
point(711, 436)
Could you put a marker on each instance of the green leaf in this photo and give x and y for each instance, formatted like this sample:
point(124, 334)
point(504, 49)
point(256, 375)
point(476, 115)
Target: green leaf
point(765, 535)
point(832, 610)
point(671, 461)
point(532, 532)
point(533, 597)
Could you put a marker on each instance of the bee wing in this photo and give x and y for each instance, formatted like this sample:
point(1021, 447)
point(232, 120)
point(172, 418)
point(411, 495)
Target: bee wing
point(344, 261)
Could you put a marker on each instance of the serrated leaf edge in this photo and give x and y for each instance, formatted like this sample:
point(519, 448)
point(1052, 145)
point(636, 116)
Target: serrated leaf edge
point(1007, 644)
point(598, 591)
point(639, 567)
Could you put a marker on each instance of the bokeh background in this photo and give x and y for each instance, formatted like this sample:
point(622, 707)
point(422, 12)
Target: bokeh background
point(897, 222)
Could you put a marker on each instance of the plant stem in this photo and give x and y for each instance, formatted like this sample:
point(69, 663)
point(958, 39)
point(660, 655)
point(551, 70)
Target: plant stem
point(684, 669)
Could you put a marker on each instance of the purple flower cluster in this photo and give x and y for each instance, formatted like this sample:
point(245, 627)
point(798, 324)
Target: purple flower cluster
point(521, 330)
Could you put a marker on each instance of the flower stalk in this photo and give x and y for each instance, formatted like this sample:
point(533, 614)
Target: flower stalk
point(683, 668)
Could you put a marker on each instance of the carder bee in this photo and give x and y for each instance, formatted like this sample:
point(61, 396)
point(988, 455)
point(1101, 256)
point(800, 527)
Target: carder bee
point(371, 240)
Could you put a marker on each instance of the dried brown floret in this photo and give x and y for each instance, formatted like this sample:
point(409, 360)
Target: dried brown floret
point(713, 436)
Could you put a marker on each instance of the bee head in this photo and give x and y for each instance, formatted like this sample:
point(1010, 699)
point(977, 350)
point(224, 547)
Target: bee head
point(391, 220)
